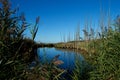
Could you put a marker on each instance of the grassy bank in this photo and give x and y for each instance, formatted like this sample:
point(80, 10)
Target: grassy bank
point(78, 45)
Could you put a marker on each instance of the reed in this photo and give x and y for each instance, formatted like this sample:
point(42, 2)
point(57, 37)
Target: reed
point(104, 51)
point(106, 61)
point(17, 52)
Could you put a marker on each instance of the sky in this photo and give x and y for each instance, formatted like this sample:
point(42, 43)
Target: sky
point(59, 18)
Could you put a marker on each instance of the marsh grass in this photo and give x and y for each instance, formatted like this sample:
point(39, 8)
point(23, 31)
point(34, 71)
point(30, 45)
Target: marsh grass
point(103, 53)
point(107, 58)
point(80, 70)
point(17, 52)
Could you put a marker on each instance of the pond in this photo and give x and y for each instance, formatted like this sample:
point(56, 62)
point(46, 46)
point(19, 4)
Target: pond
point(68, 57)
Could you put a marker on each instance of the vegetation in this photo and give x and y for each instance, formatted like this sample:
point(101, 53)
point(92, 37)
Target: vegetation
point(106, 60)
point(102, 51)
point(104, 54)
point(12, 61)
point(17, 52)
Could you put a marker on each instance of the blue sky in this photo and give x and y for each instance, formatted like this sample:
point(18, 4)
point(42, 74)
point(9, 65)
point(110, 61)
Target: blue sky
point(61, 17)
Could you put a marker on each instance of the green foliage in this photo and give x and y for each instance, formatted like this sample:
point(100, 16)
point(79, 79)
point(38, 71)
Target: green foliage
point(106, 64)
point(11, 66)
point(16, 52)
point(103, 54)
point(81, 70)
point(76, 75)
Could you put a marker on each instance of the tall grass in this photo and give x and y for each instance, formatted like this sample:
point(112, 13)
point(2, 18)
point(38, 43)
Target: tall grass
point(107, 59)
point(17, 52)
point(104, 52)
point(12, 65)
point(80, 72)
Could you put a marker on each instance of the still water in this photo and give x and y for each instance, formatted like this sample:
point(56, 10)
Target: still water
point(68, 57)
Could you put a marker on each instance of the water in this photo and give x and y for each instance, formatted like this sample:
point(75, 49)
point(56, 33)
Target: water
point(68, 57)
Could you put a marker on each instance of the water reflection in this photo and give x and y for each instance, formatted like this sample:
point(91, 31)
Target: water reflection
point(67, 56)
